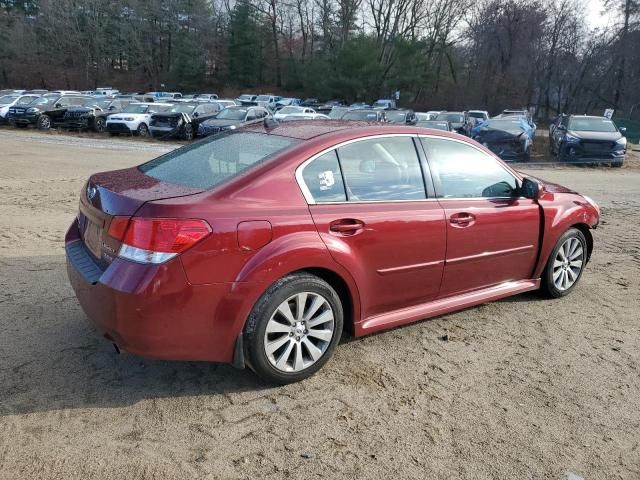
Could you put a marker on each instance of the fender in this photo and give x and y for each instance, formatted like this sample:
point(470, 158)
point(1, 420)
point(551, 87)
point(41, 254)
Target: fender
point(557, 218)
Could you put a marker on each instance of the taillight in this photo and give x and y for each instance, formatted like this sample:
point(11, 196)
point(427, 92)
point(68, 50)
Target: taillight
point(156, 240)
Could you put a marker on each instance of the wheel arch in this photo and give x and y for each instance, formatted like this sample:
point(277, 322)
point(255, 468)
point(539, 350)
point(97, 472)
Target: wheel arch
point(586, 231)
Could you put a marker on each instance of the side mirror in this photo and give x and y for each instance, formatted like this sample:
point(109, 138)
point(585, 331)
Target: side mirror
point(530, 188)
point(112, 107)
point(623, 130)
point(196, 114)
point(58, 105)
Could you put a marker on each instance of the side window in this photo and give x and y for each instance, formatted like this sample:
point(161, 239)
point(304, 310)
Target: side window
point(382, 169)
point(63, 101)
point(323, 179)
point(466, 172)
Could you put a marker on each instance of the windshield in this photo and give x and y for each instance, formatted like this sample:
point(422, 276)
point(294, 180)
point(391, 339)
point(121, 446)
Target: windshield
point(246, 97)
point(232, 114)
point(182, 108)
point(361, 115)
point(451, 117)
point(7, 99)
point(136, 108)
point(397, 117)
point(26, 100)
point(212, 161)
point(44, 101)
point(381, 104)
point(263, 98)
point(592, 125)
point(433, 124)
point(291, 110)
point(337, 112)
point(477, 114)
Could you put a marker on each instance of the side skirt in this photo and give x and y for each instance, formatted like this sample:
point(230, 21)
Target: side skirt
point(443, 306)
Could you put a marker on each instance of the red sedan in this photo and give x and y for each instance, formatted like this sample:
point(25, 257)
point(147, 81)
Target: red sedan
point(257, 247)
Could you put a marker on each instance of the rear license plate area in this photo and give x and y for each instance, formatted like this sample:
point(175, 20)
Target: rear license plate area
point(92, 237)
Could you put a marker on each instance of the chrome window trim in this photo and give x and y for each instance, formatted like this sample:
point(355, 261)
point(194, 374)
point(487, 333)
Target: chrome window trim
point(311, 201)
point(307, 193)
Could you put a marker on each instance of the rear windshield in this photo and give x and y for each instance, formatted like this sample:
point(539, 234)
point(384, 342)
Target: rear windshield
point(451, 117)
point(210, 162)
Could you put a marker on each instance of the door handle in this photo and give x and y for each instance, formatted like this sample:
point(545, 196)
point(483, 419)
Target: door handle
point(462, 219)
point(346, 226)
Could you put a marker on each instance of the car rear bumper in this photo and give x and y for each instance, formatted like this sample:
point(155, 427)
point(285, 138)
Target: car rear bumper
point(152, 310)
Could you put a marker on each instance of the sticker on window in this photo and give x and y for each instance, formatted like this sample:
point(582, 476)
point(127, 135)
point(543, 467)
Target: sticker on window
point(327, 180)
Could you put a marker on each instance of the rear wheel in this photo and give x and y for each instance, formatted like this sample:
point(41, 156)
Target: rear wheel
point(565, 264)
point(293, 329)
point(188, 132)
point(617, 163)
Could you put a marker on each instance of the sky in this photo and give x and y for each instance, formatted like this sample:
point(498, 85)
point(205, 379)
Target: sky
point(595, 14)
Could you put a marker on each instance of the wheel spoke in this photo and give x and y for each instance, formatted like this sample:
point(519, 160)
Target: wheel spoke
point(276, 344)
point(576, 254)
point(557, 264)
point(285, 310)
point(277, 327)
point(318, 301)
point(324, 317)
point(301, 301)
point(576, 264)
point(314, 351)
point(571, 274)
point(281, 363)
point(321, 334)
point(556, 275)
point(298, 362)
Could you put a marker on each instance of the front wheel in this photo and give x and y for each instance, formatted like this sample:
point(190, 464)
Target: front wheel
point(565, 264)
point(293, 329)
point(188, 132)
point(143, 130)
point(44, 122)
point(99, 124)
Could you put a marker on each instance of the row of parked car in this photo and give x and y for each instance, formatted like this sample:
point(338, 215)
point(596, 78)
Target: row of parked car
point(510, 134)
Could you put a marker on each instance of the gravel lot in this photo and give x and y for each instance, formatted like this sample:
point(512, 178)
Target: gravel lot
point(516, 389)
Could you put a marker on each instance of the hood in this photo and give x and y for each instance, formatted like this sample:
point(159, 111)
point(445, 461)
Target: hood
point(550, 186)
point(168, 115)
point(493, 135)
point(604, 136)
point(224, 122)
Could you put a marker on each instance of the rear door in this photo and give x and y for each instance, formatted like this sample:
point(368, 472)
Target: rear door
point(492, 232)
point(370, 206)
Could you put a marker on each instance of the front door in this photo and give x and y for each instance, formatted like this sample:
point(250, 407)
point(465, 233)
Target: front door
point(492, 233)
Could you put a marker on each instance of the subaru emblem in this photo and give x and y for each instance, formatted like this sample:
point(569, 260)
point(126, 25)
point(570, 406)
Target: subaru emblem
point(91, 191)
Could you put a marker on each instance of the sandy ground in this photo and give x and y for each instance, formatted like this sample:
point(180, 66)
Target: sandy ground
point(523, 388)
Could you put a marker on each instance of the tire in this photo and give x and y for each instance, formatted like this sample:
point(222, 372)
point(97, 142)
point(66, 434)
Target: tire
point(568, 256)
point(99, 125)
point(187, 134)
point(44, 122)
point(617, 163)
point(292, 341)
point(143, 130)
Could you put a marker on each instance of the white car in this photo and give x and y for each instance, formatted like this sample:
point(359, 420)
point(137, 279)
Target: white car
point(134, 118)
point(309, 116)
point(7, 101)
point(297, 111)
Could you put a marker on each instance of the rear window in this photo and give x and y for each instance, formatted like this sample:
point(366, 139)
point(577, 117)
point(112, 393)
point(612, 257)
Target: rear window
point(210, 162)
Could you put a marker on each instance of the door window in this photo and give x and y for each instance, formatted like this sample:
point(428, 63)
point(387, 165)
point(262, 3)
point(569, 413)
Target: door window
point(463, 171)
point(382, 169)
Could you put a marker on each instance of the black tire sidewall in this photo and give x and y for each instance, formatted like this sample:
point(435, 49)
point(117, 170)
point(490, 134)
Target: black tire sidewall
point(100, 125)
point(257, 323)
point(40, 120)
point(548, 285)
point(143, 130)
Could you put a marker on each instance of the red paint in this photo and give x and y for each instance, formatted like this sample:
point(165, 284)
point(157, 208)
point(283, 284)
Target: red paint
point(401, 262)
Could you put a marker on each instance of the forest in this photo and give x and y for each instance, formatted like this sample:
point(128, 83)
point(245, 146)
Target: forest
point(439, 54)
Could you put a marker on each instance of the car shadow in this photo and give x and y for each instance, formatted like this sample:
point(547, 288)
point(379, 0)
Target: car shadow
point(52, 358)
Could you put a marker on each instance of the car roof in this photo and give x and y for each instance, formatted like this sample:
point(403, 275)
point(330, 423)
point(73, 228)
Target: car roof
point(309, 129)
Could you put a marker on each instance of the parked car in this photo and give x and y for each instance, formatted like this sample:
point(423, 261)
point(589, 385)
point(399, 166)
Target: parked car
point(479, 115)
point(231, 118)
point(310, 116)
point(459, 121)
point(436, 124)
point(11, 100)
point(521, 114)
point(248, 248)
point(336, 113)
point(581, 138)
point(224, 103)
point(426, 116)
point(509, 139)
point(310, 102)
point(267, 101)
point(402, 117)
point(246, 99)
point(288, 101)
point(300, 111)
point(205, 97)
point(327, 106)
point(181, 120)
point(384, 104)
point(134, 118)
point(365, 115)
point(359, 105)
point(106, 92)
point(92, 114)
point(44, 112)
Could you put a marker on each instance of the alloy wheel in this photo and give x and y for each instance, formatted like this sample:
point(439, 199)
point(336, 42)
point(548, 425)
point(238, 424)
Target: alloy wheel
point(299, 332)
point(568, 264)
